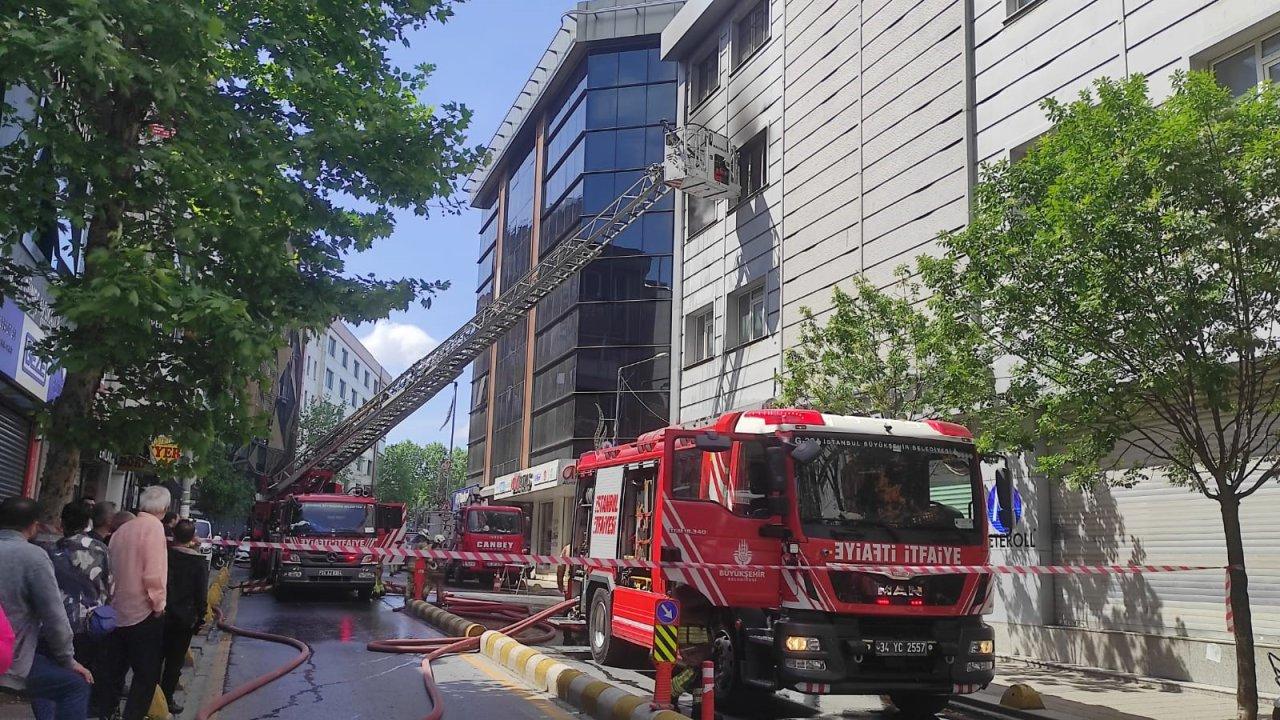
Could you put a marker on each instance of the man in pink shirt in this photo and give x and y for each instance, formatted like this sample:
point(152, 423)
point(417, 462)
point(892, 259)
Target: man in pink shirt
point(140, 568)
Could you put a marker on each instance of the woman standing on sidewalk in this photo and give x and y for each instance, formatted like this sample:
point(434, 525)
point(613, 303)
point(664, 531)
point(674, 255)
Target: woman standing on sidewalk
point(188, 600)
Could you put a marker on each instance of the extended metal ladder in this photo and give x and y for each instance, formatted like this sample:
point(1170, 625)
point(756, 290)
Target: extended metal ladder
point(428, 376)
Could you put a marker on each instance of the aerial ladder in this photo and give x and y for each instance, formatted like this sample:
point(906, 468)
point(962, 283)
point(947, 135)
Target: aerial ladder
point(696, 160)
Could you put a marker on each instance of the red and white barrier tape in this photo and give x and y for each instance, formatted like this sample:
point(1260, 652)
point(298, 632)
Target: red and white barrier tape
point(523, 559)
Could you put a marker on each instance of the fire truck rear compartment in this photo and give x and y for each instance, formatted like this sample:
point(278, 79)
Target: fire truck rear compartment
point(847, 648)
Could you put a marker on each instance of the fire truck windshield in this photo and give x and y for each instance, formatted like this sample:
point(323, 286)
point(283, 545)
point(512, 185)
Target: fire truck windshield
point(885, 488)
point(494, 522)
point(332, 518)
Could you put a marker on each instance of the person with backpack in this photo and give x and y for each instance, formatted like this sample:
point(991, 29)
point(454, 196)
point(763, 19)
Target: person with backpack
point(44, 666)
point(82, 569)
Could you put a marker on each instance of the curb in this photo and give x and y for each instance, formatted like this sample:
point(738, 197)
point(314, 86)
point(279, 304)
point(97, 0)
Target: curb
point(443, 619)
point(597, 698)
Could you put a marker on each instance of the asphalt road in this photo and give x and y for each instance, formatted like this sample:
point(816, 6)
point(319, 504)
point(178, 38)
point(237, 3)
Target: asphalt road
point(344, 680)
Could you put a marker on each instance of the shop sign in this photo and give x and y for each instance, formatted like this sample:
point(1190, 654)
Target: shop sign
point(19, 334)
point(165, 450)
point(539, 477)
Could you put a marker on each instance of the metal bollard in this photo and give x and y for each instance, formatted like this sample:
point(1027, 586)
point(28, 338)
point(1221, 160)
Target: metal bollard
point(708, 690)
point(662, 687)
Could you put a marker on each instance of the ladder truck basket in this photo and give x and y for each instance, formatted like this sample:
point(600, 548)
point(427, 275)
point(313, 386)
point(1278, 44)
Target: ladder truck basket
point(701, 162)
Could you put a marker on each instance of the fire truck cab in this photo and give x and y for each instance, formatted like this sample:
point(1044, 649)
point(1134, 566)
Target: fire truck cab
point(486, 528)
point(773, 514)
point(327, 519)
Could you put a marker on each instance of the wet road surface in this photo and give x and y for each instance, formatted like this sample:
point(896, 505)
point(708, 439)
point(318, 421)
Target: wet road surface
point(344, 680)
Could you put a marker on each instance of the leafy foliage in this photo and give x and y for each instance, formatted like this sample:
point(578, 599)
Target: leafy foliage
point(317, 420)
point(886, 352)
point(417, 475)
point(1128, 269)
point(223, 492)
point(224, 157)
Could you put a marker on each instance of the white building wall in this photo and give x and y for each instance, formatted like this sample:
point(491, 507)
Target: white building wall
point(328, 377)
point(868, 164)
point(742, 247)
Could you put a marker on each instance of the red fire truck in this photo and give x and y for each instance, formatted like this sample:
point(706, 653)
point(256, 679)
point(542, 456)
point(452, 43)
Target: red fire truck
point(784, 506)
point(486, 528)
point(325, 518)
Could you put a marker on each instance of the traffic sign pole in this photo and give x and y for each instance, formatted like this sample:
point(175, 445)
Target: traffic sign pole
point(666, 615)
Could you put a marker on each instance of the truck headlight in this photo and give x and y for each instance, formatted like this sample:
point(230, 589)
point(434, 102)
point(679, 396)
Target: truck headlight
point(799, 643)
point(982, 647)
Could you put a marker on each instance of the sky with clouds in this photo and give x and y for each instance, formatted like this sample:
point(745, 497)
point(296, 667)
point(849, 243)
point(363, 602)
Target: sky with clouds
point(482, 57)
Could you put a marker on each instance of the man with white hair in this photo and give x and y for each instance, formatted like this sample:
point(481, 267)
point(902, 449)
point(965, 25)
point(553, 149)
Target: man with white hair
point(140, 566)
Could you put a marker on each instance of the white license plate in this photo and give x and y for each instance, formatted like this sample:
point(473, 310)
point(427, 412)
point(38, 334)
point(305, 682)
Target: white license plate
point(329, 573)
point(902, 648)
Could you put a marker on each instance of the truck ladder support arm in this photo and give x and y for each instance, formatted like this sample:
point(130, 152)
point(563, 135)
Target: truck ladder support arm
point(431, 374)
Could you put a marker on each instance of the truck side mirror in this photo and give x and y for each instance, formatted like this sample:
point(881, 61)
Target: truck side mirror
point(806, 451)
point(1004, 497)
point(712, 442)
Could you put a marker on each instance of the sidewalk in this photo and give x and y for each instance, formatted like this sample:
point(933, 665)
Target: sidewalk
point(1081, 694)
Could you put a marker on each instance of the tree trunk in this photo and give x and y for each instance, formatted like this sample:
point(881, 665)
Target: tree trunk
point(63, 466)
point(1246, 670)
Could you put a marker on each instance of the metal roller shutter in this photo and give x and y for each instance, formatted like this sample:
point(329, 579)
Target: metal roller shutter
point(14, 435)
point(1157, 523)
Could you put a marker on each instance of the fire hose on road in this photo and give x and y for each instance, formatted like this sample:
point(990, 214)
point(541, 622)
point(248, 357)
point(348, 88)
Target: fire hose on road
point(220, 702)
point(439, 647)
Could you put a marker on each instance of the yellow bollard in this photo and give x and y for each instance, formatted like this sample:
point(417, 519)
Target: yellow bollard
point(1021, 696)
point(159, 709)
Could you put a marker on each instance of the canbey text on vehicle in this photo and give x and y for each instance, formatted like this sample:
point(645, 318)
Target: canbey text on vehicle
point(785, 506)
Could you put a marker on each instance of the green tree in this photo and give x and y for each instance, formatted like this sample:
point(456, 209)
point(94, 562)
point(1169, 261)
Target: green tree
point(1128, 271)
point(223, 159)
point(316, 421)
point(885, 352)
point(417, 475)
point(223, 491)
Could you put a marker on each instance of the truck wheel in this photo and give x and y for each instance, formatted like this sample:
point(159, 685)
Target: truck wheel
point(727, 656)
point(919, 706)
point(605, 648)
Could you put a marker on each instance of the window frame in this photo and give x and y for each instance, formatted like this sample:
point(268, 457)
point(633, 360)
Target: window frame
point(1262, 63)
point(328, 379)
point(697, 94)
point(1016, 8)
point(743, 298)
point(761, 140)
point(689, 231)
point(345, 357)
point(342, 389)
point(700, 335)
point(333, 347)
point(740, 57)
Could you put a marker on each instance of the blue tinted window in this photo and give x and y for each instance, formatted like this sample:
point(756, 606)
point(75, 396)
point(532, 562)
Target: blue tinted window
point(602, 70)
point(660, 71)
point(630, 148)
point(632, 105)
point(661, 103)
point(633, 67)
point(600, 150)
point(602, 108)
point(560, 142)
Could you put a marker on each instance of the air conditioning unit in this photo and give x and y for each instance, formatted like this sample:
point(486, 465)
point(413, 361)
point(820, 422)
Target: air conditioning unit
point(702, 163)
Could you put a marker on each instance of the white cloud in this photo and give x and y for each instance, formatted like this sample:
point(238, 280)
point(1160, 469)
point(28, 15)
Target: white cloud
point(397, 345)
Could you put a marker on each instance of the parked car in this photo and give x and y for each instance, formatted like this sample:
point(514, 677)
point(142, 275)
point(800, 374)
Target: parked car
point(204, 537)
point(242, 551)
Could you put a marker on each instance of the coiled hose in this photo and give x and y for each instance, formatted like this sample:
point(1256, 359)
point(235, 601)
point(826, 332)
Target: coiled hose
point(439, 647)
point(220, 702)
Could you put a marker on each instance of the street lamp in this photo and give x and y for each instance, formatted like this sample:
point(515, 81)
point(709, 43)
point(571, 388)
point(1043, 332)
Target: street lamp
point(617, 395)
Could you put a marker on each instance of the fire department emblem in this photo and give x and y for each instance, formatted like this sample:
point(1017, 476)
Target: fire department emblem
point(742, 555)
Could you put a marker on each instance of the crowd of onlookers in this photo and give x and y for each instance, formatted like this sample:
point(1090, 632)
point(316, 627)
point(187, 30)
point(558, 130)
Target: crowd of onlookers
point(98, 598)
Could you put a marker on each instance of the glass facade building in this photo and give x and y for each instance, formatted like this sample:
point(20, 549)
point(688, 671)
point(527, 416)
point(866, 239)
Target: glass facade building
point(554, 384)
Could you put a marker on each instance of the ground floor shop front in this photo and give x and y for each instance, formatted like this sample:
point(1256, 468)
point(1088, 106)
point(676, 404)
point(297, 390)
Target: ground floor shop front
point(545, 494)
